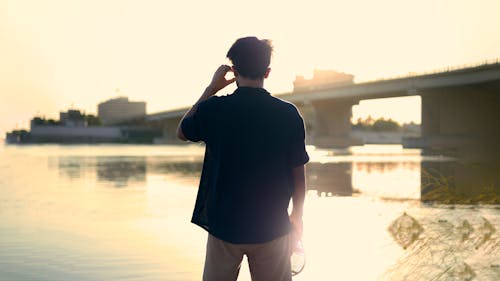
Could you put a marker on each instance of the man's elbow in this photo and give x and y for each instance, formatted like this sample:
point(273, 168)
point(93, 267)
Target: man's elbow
point(180, 134)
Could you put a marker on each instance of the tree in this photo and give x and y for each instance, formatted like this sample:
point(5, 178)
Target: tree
point(53, 122)
point(379, 125)
point(38, 121)
point(382, 125)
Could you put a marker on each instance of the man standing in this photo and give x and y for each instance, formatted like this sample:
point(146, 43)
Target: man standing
point(254, 163)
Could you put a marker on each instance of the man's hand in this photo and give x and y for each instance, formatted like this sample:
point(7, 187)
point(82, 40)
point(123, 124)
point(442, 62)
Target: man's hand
point(219, 80)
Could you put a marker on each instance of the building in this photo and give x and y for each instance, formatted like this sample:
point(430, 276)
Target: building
point(77, 127)
point(75, 134)
point(120, 109)
point(72, 127)
point(72, 118)
point(322, 79)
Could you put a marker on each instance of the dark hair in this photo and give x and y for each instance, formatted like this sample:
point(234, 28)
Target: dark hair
point(251, 56)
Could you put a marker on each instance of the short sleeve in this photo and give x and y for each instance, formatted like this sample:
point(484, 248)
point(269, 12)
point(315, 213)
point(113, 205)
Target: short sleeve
point(297, 154)
point(194, 127)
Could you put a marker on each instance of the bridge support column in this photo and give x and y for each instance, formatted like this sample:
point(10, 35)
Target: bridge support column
point(331, 126)
point(462, 123)
point(170, 131)
point(459, 117)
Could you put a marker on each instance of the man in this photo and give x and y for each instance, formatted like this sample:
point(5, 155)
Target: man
point(254, 163)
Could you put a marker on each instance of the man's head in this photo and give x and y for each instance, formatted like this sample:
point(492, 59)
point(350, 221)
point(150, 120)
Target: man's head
point(251, 57)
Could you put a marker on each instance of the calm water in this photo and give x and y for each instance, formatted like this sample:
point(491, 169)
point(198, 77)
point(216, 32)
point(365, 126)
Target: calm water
point(116, 212)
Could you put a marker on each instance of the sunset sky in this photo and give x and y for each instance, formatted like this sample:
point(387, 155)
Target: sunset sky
point(55, 54)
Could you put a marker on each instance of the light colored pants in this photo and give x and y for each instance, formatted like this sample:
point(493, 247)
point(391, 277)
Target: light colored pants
point(268, 261)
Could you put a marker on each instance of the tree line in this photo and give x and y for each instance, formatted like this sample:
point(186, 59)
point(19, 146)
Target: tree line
point(381, 125)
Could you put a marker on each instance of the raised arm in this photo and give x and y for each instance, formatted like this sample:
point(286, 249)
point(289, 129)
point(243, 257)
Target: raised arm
point(218, 82)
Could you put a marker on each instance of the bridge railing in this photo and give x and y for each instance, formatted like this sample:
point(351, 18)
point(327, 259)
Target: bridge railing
point(486, 62)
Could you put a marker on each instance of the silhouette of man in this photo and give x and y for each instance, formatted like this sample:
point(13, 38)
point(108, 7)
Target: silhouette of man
point(254, 164)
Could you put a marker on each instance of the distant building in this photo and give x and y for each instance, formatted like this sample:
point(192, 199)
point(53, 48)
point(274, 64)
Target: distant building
point(120, 109)
point(76, 134)
point(77, 127)
point(71, 127)
point(322, 79)
point(72, 118)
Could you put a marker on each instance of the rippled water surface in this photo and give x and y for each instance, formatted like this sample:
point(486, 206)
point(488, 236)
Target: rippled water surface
point(118, 212)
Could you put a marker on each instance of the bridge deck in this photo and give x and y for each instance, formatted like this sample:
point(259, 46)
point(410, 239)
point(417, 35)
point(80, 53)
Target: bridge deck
point(412, 85)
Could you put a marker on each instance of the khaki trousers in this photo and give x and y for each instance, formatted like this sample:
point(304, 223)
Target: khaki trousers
point(268, 261)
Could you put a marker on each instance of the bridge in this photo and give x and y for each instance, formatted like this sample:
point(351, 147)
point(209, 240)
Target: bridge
point(460, 118)
point(458, 107)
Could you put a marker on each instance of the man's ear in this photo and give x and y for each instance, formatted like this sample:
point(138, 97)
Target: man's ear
point(267, 72)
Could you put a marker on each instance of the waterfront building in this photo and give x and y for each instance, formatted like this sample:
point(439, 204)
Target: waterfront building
point(75, 127)
point(120, 109)
point(71, 127)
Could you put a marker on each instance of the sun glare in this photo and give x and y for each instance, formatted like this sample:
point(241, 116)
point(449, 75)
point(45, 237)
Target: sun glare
point(165, 55)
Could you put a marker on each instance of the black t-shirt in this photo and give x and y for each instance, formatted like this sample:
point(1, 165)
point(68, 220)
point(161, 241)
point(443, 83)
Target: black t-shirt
point(253, 142)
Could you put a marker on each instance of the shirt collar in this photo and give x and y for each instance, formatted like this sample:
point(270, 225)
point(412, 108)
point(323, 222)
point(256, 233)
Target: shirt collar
point(251, 90)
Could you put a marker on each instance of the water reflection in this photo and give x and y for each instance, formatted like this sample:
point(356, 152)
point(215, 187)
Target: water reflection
point(330, 179)
point(383, 167)
point(71, 167)
point(344, 177)
point(190, 168)
point(388, 180)
point(120, 171)
point(123, 171)
point(63, 222)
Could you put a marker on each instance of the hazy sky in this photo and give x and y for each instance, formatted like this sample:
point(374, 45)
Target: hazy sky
point(58, 53)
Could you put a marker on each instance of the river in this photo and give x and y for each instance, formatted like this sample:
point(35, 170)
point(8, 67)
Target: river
point(122, 212)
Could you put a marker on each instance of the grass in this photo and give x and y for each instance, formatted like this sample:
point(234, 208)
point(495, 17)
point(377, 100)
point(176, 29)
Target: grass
point(443, 190)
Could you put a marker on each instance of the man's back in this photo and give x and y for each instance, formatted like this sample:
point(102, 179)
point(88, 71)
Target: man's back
point(252, 141)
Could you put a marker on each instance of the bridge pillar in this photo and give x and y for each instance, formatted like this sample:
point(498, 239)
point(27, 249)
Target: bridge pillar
point(331, 123)
point(170, 131)
point(462, 123)
point(459, 117)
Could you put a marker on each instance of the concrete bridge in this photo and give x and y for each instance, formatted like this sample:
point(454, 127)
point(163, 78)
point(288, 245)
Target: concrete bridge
point(460, 118)
point(458, 107)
